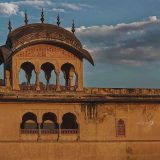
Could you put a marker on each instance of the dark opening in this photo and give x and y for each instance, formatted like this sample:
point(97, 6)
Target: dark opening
point(69, 121)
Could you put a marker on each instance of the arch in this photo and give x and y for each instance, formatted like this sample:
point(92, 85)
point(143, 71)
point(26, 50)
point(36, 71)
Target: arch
point(69, 121)
point(69, 75)
point(29, 121)
point(121, 129)
point(47, 73)
point(49, 121)
point(27, 74)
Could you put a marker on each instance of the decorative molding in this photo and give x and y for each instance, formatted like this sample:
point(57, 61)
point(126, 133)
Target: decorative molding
point(45, 51)
point(41, 35)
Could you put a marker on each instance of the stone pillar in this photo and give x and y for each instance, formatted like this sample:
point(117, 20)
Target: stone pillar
point(39, 128)
point(7, 79)
point(76, 82)
point(37, 84)
point(71, 80)
point(59, 129)
point(57, 80)
point(48, 77)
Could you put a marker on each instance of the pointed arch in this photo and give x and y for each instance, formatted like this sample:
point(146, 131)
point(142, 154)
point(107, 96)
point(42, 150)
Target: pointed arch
point(29, 121)
point(69, 121)
point(69, 76)
point(49, 121)
point(27, 74)
point(48, 74)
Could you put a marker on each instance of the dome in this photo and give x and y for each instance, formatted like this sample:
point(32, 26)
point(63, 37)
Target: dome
point(45, 33)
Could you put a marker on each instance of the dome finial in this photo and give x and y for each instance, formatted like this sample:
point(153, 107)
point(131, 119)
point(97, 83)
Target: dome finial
point(26, 18)
point(58, 21)
point(9, 26)
point(73, 27)
point(42, 16)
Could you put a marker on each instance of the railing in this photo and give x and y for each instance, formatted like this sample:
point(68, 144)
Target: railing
point(69, 131)
point(43, 87)
point(50, 87)
point(29, 131)
point(47, 131)
point(123, 91)
point(68, 88)
point(27, 87)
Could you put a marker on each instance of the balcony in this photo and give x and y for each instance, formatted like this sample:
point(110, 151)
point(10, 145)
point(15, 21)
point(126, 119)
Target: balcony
point(29, 131)
point(49, 135)
point(47, 131)
point(69, 131)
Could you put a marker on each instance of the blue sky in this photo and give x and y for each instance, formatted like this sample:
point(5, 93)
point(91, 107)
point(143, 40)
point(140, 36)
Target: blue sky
point(123, 36)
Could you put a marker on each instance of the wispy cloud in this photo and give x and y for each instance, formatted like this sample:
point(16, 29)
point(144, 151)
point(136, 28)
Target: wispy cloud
point(14, 7)
point(9, 8)
point(133, 44)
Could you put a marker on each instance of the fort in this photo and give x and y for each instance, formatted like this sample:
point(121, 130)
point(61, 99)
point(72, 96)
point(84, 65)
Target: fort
point(61, 119)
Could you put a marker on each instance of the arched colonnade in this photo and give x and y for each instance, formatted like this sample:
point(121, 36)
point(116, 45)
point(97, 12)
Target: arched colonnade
point(48, 77)
point(49, 124)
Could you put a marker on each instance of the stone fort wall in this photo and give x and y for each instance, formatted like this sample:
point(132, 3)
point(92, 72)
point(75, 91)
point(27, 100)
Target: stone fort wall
point(97, 137)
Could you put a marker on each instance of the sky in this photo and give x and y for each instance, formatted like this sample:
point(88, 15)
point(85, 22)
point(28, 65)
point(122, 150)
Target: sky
point(122, 36)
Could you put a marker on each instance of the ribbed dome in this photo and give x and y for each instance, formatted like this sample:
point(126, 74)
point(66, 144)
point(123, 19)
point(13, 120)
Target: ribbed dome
point(42, 32)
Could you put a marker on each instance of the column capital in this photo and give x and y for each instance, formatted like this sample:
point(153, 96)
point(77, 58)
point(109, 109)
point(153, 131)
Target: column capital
point(57, 71)
point(37, 71)
point(37, 80)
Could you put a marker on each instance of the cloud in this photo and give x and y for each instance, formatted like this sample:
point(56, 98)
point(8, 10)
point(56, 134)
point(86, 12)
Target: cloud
point(76, 6)
point(9, 8)
point(13, 8)
point(133, 44)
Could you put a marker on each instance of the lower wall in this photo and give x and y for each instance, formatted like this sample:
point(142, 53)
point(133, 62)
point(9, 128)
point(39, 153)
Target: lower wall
point(79, 150)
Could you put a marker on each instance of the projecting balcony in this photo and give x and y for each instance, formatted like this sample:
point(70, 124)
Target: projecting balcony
point(47, 131)
point(69, 131)
point(49, 135)
point(29, 131)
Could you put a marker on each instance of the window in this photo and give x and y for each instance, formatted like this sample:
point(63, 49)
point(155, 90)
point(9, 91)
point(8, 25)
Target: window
point(120, 127)
point(29, 121)
point(69, 124)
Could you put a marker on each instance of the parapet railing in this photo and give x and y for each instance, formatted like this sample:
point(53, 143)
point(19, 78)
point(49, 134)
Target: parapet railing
point(50, 87)
point(68, 88)
point(69, 131)
point(123, 91)
point(47, 131)
point(93, 91)
point(27, 87)
point(29, 131)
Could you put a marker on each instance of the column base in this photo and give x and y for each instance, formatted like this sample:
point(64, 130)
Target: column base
point(38, 88)
point(58, 88)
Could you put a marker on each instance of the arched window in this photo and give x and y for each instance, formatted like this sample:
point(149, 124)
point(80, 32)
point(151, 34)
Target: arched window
point(69, 121)
point(29, 121)
point(47, 76)
point(27, 76)
point(69, 76)
point(49, 121)
point(121, 130)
